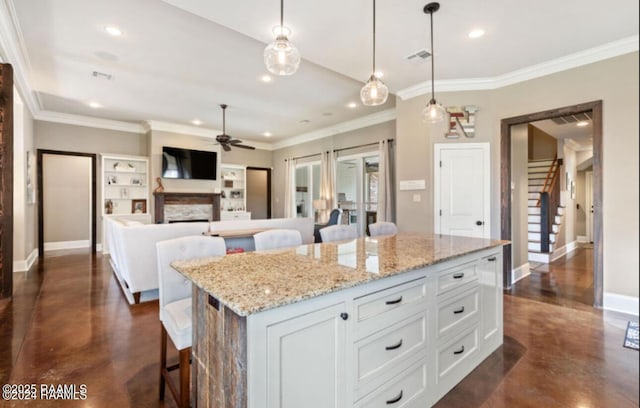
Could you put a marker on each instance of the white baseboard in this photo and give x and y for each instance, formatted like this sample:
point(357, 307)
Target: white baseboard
point(53, 246)
point(565, 250)
point(99, 248)
point(25, 265)
point(620, 303)
point(582, 239)
point(520, 272)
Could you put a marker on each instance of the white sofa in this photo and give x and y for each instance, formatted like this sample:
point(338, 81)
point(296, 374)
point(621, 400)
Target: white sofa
point(132, 245)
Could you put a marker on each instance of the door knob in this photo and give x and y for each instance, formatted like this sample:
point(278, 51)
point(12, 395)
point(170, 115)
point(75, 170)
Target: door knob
point(479, 223)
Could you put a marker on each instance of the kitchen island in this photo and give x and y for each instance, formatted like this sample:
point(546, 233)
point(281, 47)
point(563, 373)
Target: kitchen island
point(392, 321)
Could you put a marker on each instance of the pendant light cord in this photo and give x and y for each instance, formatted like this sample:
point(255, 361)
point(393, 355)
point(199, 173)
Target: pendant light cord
point(374, 37)
point(281, 16)
point(433, 99)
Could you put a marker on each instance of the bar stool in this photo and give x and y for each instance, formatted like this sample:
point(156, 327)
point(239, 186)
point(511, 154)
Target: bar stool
point(277, 238)
point(175, 307)
point(339, 232)
point(382, 228)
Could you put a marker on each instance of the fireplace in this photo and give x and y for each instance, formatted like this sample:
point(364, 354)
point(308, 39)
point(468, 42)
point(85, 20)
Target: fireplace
point(186, 207)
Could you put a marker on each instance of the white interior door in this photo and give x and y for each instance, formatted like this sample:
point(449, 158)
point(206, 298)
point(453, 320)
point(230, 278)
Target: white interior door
point(462, 189)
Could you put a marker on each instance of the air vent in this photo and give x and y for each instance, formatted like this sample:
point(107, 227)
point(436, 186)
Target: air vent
point(102, 75)
point(418, 56)
point(578, 117)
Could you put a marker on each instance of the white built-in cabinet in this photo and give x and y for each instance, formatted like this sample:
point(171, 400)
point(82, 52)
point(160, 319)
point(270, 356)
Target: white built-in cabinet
point(403, 341)
point(233, 193)
point(125, 188)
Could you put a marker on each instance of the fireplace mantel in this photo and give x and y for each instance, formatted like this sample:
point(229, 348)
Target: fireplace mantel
point(164, 198)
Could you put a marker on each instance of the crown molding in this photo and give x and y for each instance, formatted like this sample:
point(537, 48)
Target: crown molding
point(12, 51)
point(603, 52)
point(88, 121)
point(358, 123)
point(151, 125)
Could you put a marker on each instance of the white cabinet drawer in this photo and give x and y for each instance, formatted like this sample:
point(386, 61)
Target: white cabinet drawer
point(451, 279)
point(234, 215)
point(409, 391)
point(376, 354)
point(452, 356)
point(389, 305)
point(457, 312)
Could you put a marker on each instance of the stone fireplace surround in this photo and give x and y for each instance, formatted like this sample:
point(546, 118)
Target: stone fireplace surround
point(175, 207)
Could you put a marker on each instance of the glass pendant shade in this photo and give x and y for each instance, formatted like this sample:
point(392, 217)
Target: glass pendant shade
point(281, 57)
point(374, 92)
point(433, 113)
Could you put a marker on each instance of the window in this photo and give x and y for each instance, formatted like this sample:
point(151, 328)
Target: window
point(307, 188)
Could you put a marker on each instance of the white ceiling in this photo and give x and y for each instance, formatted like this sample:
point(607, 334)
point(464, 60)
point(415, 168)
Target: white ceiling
point(179, 59)
point(581, 138)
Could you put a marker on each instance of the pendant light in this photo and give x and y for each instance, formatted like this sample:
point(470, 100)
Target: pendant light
point(281, 57)
point(374, 92)
point(433, 112)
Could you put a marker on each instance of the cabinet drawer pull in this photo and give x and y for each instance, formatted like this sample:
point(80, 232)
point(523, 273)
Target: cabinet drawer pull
point(458, 275)
point(492, 259)
point(395, 346)
point(396, 399)
point(459, 351)
point(393, 302)
point(344, 316)
point(461, 310)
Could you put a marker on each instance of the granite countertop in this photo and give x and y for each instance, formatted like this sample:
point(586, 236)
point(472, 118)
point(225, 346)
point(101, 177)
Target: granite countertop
point(251, 282)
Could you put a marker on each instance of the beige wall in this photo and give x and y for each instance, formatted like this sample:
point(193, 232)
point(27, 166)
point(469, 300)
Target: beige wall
point(66, 204)
point(24, 213)
point(615, 81)
point(580, 213)
point(366, 135)
point(519, 196)
point(249, 158)
point(82, 139)
point(542, 145)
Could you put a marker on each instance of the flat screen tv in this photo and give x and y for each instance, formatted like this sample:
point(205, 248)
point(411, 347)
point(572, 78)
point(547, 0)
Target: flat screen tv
point(188, 164)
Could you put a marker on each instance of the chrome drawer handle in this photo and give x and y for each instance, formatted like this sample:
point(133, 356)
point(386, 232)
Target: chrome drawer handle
point(395, 346)
point(461, 310)
point(396, 399)
point(459, 351)
point(458, 275)
point(493, 258)
point(393, 302)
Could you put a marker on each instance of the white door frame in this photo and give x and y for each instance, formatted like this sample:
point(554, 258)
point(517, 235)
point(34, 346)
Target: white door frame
point(486, 149)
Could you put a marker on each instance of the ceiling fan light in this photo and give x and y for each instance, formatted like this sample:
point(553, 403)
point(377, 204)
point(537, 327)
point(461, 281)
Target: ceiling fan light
point(281, 57)
point(433, 113)
point(374, 92)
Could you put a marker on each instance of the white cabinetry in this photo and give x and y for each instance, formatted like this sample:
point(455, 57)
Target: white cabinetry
point(233, 195)
point(125, 184)
point(403, 341)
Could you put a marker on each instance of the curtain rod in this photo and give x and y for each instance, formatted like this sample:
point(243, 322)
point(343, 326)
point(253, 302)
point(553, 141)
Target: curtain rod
point(339, 150)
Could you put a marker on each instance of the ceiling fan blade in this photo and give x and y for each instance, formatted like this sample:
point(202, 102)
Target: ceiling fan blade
point(244, 146)
point(235, 141)
point(226, 147)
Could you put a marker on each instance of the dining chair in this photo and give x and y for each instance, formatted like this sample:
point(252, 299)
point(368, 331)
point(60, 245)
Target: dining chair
point(277, 238)
point(175, 307)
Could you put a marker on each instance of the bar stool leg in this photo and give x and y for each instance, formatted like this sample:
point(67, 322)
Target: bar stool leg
point(185, 394)
point(163, 359)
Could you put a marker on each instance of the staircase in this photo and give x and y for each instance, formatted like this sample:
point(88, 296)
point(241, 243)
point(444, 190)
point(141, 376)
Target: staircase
point(540, 177)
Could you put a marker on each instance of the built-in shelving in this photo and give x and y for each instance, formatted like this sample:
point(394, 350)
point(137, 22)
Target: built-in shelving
point(233, 197)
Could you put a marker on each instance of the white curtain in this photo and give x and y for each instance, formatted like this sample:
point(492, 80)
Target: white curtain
point(327, 183)
point(386, 182)
point(290, 188)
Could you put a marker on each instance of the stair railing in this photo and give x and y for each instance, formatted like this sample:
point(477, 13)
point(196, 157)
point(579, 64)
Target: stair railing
point(549, 201)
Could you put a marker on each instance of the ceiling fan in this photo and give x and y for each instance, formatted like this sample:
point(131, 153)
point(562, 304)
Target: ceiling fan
point(227, 141)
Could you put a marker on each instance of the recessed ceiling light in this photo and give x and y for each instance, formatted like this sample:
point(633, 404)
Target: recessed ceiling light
point(95, 105)
point(352, 105)
point(197, 122)
point(113, 31)
point(267, 134)
point(266, 78)
point(582, 123)
point(476, 33)
point(281, 30)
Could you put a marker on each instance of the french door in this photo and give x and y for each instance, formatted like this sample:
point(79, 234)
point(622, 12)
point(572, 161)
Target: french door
point(357, 189)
